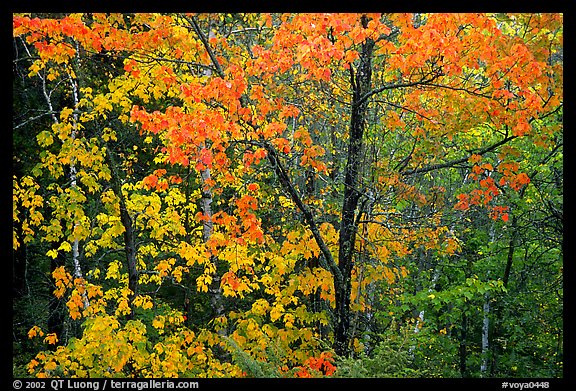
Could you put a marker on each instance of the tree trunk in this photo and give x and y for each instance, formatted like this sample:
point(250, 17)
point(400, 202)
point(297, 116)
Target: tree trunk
point(130, 251)
point(462, 350)
point(73, 184)
point(214, 290)
point(129, 233)
point(19, 265)
point(72, 174)
point(361, 85)
point(485, 339)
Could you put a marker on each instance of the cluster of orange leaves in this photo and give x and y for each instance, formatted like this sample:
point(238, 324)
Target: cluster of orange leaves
point(314, 366)
point(488, 189)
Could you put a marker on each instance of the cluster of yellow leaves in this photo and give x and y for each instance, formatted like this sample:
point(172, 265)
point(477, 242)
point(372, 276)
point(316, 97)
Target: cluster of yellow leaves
point(111, 349)
point(25, 197)
point(286, 334)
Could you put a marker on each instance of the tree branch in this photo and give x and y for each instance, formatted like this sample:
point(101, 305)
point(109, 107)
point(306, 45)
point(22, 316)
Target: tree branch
point(329, 263)
point(204, 39)
point(457, 161)
point(378, 90)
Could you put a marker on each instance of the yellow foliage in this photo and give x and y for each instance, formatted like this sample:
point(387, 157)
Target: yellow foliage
point(164, 266)
point(65, 113)
point(158, 322)
point(260, 307)
point(276, 312)
point(113, 271)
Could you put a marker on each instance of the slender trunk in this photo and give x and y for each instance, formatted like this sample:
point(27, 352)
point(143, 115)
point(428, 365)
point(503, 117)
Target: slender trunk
point(462, 350)
point(73, 183)
point(130, 253)
point(214, 290)
point(19, 265)
point(510, 255)
point(187, 196)
point(129, 232)
point(326, 259)
point(72, 175)
point(485, 335)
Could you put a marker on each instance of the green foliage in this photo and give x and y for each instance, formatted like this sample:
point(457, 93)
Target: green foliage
point(387, 360)
point(257, 368)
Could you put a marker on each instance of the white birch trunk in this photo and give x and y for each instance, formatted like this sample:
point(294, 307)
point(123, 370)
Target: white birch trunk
point(47, 97)
point(420, 319)
point(486, 321)
point(76, 244)
point(214, 289)
point(485, 336)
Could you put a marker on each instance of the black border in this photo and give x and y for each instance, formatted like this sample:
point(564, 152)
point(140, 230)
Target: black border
point(569, 379)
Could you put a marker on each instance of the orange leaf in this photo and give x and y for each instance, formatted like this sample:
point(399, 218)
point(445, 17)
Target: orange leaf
point(474, 158)
point(150, 181)
point(205, 157)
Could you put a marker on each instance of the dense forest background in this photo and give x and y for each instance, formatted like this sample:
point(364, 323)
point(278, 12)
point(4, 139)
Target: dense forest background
point(287, 195)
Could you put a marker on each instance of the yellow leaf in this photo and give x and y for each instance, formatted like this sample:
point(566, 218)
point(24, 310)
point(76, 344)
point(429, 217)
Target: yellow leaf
point(65, 246)
point(276, 312)
point(158, 322)
point(44, 138)
point(113, 270)
point(65, 113)
point(260, 306)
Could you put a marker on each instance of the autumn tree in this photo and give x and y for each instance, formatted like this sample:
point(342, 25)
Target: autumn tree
point(283, 172)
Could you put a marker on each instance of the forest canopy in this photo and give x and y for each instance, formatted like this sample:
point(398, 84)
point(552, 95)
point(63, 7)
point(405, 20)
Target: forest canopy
point(287, 195)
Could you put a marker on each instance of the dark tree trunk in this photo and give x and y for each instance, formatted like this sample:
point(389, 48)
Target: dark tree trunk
point(361, 85)
point(130, 250)
point(341, 272)
point(129, 233)
point(19, 266)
